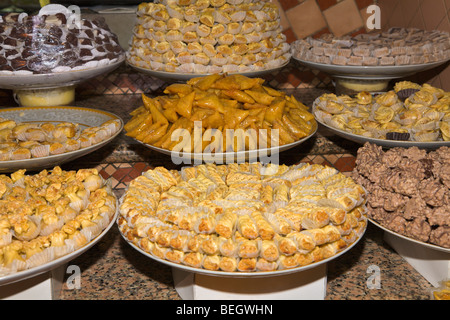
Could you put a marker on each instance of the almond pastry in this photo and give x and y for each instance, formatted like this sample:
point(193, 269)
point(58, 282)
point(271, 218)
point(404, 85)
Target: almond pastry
point(20, 141)
point(408, 112)
point(208, 23)
point(50, 214)
point(245, 233)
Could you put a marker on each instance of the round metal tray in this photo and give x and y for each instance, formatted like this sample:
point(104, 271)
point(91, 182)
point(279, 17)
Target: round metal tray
point(84, 117)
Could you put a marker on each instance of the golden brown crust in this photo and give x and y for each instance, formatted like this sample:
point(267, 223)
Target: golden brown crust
point(244, 232)
point(52, 213)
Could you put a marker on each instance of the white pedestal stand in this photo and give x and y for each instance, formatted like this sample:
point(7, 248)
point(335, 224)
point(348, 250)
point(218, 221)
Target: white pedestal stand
point(433, 265)
point(45, 286)
point(309, 284)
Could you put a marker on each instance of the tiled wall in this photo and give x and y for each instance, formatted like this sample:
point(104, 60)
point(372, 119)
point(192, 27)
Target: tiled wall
point(422, 14)
point(299, 19)
point(302, 18)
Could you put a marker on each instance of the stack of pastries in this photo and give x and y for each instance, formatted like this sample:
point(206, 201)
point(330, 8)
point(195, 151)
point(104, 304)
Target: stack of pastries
point(50, 214)
point(243, 217)
point(208, 36)
point(409, 112)
point(395, 47)
point(26, 140)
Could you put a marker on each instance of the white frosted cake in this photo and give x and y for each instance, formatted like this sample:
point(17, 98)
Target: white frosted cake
point(208, 36)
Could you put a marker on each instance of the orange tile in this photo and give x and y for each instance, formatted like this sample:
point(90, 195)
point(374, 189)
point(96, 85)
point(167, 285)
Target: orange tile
point(345, 164)
point(325, 4)
point(306, 19)
point(288, 4)
point(103, 174)
point(110, 169)
point(121, 173)
point(343, 18)
point(362, 4)
point(290, 35)
point(360, 31)
point(284, 22)
point(321, 33)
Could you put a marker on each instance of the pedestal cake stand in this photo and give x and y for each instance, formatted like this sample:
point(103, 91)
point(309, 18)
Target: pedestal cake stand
point(183, 77)
point(367, 78)
point(35, 90)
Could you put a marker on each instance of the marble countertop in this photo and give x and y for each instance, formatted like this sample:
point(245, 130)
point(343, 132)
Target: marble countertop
point(113, 270)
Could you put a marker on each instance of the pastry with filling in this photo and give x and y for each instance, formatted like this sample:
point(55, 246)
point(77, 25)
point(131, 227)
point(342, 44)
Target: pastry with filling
point(50, 214)
point(254, 235)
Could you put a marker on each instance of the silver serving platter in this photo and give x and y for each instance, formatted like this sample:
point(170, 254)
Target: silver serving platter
point(84, 117)
point(381, 142)
point(175, 76)
point(428, 245)
point(370, 72)
point(226, 157)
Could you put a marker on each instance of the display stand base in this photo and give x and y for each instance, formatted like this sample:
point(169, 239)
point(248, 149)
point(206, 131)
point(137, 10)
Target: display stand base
point(433, 265)
point(352, 86)
point(44, 97)
point(46, 286)
point(309, 284)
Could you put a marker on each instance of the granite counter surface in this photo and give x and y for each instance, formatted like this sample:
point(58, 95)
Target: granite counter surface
point(113, 270)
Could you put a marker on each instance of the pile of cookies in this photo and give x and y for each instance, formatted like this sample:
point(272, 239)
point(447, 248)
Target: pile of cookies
point(208, 36)
point(396, 47)
point(409, 190)
point(26, 140)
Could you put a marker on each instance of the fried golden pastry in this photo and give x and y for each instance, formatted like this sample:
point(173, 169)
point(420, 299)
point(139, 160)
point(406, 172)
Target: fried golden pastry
point(234, 112)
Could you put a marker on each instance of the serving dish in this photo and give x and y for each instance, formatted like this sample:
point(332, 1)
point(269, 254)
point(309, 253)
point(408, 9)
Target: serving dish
point(256, 274)
point(84, 117)
point(370, 72)
point(16, 81)
point(182, 77)
point(225, 157)
point(32, 272)
point(427, 245)
point(381, 142)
